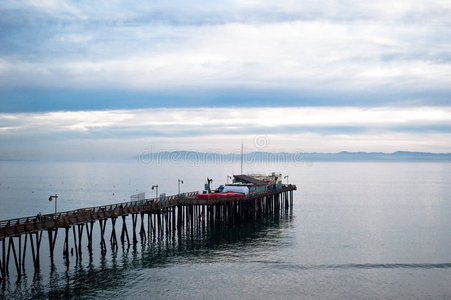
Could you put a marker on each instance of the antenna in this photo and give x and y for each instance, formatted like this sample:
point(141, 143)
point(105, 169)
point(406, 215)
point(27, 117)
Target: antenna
point(242, 158)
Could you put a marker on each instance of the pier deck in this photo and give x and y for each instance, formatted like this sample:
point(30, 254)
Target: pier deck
point(164, 217)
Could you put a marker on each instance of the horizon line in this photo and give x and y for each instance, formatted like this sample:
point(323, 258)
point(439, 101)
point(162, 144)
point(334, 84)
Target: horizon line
point(263, 156)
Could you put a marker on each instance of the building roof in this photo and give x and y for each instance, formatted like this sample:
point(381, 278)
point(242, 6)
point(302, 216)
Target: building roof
point(249, 179)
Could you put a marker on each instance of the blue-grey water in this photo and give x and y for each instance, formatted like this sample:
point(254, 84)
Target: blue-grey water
point(357, 230)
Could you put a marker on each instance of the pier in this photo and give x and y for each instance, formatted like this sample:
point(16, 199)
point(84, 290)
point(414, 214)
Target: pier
point(151, 218)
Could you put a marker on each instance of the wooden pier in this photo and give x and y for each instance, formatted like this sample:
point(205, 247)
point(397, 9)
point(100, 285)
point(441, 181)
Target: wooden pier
point(151, 218)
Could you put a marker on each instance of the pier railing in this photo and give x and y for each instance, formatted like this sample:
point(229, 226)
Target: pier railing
point(61, 219)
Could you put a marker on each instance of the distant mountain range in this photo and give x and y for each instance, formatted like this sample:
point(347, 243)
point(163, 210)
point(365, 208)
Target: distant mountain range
point(295, 157)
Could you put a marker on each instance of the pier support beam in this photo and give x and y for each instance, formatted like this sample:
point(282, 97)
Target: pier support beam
point(102, 224)
point(35, 250)
point(3, 265)
point(80, 236)
point(142, 231)
point(24, 252)
point(17, 264)
point(124, 232)
point(75, 242)
point(52, 240)
point(134, 220)
point(113, 239)
point(66, 244)
point(89, 228)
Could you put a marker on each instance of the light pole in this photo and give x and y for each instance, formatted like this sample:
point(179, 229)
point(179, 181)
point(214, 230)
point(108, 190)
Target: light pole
point(156, 190)
point(56, 200)
point(286, 178)
point(180, 182)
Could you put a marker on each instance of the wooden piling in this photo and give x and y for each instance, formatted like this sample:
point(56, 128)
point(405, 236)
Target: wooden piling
point(102, 224)
point(113, 239)
point(75, 242)
point(3, 260)
point(66, 244)
point(89, 228)
point(124, 232)
point(16, 261)
point(52, 241)
point(2, 271)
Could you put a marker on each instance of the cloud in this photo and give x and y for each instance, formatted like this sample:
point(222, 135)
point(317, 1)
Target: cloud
point(298, 55)
point(205, 121)
point(124, 133)
point(309, 47)
point(317, 75)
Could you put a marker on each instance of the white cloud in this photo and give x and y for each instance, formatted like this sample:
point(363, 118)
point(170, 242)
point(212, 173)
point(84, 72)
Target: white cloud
point(201, 119)
point(382, 52)
point(126, 133)
point(56, 6)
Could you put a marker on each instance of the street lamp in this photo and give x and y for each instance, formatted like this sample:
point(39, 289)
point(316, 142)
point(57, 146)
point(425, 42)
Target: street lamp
point(286, 177)
point(156, 190)
point(180, 182)
point(56, 198)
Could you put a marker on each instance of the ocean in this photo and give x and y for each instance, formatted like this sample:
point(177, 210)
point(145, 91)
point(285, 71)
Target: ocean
point(357, 230)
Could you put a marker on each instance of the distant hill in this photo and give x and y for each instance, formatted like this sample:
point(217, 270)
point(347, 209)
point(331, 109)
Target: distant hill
point(294, 157)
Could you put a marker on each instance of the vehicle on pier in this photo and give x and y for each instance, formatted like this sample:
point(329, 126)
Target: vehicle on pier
point(243, 186)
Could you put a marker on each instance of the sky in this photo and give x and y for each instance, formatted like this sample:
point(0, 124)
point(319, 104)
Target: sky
point(113, 79)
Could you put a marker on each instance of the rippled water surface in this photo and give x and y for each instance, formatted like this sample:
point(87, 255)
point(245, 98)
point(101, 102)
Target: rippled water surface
point(357, 230)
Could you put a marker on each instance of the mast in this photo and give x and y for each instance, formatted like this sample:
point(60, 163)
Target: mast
point(242, 158)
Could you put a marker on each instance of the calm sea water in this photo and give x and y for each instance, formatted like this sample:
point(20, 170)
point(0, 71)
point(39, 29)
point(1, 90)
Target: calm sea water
point(357, 230)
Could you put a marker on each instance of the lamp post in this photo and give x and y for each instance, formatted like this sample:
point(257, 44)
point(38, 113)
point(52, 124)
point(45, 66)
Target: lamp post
point(156, 190)
point(56, 200)
point(180, 182)
point(286, 178)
